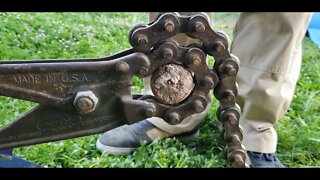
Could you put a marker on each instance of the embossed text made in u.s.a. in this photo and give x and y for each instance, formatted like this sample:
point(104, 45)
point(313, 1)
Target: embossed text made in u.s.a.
point(50, 78)
point(58, 124)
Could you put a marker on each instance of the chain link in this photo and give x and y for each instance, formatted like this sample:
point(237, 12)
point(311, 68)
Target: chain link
point(222, 80)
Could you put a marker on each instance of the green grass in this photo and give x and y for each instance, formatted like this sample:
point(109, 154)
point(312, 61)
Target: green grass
point(299, 130)
point(81, 35)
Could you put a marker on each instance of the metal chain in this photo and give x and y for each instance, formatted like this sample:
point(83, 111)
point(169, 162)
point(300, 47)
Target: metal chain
point(144, 38)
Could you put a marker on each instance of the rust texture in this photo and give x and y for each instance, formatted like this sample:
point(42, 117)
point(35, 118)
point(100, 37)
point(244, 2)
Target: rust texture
point(172, 83)
point(81, 97)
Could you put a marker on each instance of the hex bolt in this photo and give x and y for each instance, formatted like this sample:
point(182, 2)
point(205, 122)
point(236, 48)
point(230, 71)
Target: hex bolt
point(122, 67)
point(85, 102)
point(167, 54)
point(169, 26)
point(199, 27)
point(220, 47)
point(198, 106)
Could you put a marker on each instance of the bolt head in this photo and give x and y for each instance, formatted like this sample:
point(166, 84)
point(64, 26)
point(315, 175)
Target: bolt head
point(85, 102)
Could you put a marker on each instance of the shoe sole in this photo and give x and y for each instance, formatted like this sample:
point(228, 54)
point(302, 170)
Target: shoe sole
point(127, 150)
point(113, 150)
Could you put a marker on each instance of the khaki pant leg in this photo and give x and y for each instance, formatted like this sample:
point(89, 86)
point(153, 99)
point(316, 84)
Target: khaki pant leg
point(269, 48)
point(190, 122)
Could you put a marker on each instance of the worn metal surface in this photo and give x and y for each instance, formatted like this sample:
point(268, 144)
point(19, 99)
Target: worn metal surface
point(172, 83)
point(66, 112)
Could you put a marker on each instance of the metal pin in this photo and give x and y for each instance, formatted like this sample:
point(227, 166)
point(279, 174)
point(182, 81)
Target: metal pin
point(167, 54)
point(196, 60)
point(122, 67)
point(199, 27)
point(142, 41)
point(198, 106)
point(232, 119)
point(208, 82)
point(230, 70)
point(143, 71)
point(169, 26)
point(173, 118)
point(220, 47)
point(150, 112)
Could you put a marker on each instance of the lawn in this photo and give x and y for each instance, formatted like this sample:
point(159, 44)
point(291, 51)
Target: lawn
point(81, 35)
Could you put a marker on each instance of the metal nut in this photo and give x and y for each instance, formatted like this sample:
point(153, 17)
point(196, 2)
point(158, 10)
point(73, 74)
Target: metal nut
point(85, 102)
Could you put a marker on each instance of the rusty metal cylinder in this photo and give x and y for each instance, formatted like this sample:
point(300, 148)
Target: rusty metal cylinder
point(172, 83)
